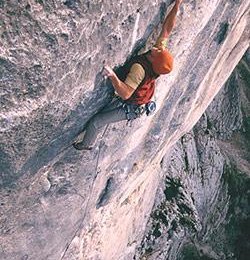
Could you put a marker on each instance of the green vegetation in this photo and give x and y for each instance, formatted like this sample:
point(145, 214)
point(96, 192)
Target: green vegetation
point(159, 215)
point(188, 222)
point(172, 188)
point(238, 227)
point(184, 208)
point(184, 214)
point(236, 181)
point(244, 73)
point(156, 232)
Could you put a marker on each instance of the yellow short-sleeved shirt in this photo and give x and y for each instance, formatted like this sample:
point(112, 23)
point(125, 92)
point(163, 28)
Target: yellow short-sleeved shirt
point(135, 76)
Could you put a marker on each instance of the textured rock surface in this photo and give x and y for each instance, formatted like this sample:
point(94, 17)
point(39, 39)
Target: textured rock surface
point(202, 207)
point(57, 203)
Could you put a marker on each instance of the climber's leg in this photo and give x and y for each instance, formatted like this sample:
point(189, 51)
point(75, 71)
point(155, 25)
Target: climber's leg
point(96, 124)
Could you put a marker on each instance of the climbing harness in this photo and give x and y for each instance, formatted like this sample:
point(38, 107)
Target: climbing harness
point(150, 108)
point(135, 111)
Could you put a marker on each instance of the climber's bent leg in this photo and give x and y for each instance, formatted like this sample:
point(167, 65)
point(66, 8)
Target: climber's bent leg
point(96, 124)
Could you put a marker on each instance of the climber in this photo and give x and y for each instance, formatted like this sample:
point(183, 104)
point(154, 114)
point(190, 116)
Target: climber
point(134, 85)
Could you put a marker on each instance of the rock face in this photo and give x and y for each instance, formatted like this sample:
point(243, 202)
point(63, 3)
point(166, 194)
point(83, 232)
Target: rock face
point(58, 203)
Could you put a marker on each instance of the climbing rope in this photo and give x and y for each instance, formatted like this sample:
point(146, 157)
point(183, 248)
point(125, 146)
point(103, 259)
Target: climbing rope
point(92, 184)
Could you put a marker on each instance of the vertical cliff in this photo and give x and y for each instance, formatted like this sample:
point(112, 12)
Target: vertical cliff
point(58, 203)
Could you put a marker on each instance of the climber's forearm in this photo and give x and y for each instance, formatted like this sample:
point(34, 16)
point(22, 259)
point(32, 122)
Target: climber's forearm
point(170, 21)
point(122, 89)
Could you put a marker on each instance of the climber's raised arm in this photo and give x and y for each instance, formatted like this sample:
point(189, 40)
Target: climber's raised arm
point(169, 21)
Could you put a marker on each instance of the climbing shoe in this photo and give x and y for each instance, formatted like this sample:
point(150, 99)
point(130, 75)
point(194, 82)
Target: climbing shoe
point(80, 146)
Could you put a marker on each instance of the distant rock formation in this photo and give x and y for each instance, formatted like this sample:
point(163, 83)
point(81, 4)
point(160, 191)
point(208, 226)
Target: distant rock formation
point(59, 203)
point(202, 208)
